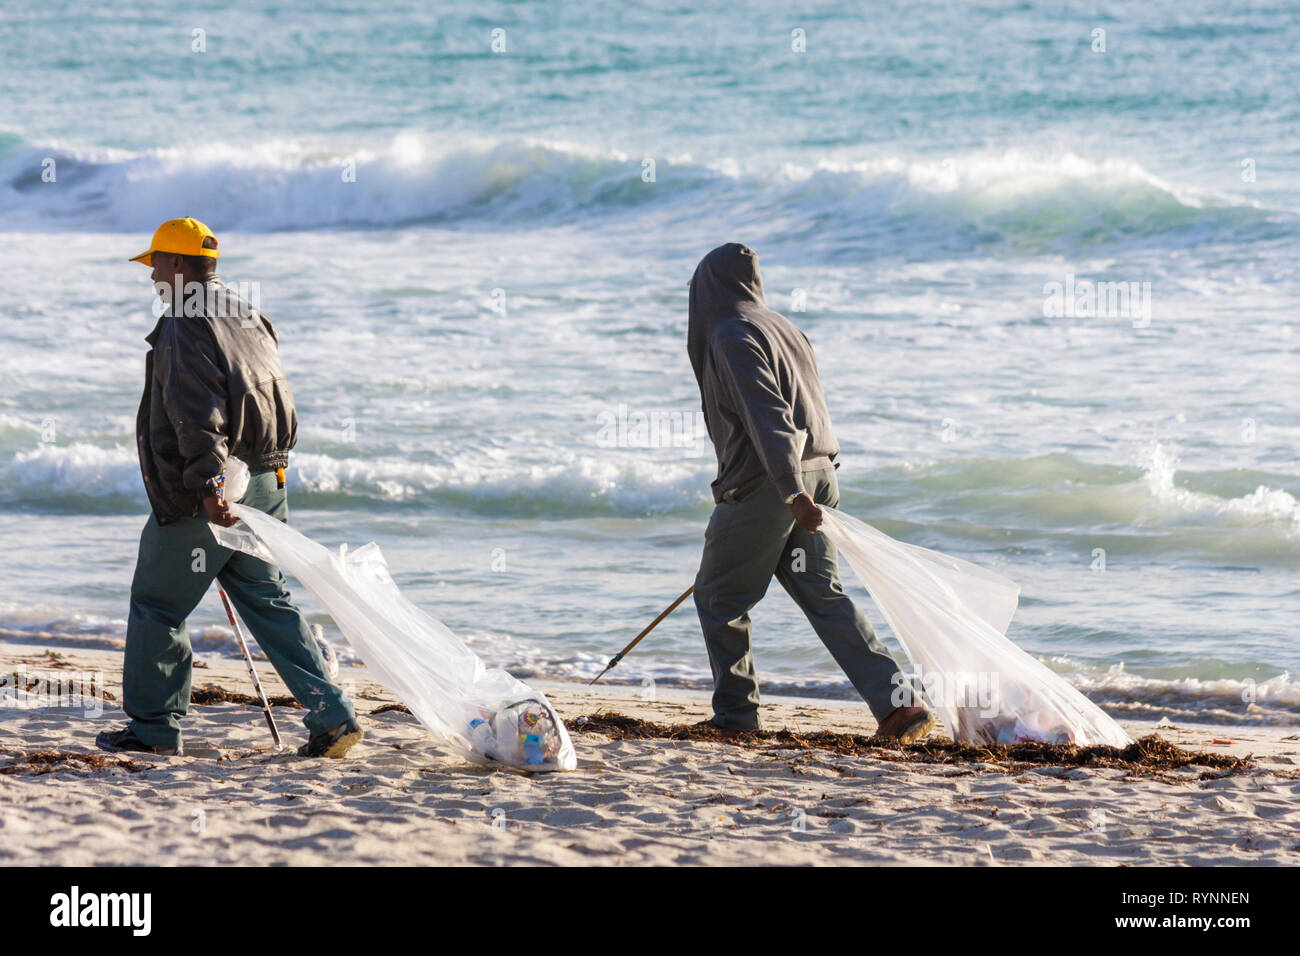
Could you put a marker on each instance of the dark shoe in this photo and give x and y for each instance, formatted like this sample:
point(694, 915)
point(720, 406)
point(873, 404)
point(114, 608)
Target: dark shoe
point(332, 743)
point(908, 724)
point(125, 739)
point(727, 733)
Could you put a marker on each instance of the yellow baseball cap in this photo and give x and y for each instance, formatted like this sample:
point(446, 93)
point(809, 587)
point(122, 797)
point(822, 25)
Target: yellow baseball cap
point(183, 237)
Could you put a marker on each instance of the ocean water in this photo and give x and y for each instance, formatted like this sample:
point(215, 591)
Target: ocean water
point(477, 263)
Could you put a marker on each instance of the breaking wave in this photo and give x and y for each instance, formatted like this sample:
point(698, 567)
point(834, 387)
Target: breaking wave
point(85, 478)
point(1048, 495)
point(893, 204)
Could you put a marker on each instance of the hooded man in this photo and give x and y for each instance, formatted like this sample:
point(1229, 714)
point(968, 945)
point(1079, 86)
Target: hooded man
point(214, 389)
point(767, 418)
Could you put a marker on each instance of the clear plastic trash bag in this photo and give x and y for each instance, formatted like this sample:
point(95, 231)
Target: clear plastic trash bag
point(951, 617)
point(480, 713)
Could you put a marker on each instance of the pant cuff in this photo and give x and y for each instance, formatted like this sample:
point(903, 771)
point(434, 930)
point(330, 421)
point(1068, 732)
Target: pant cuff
point(152, 735)
point(322, 720)
point(737, 721)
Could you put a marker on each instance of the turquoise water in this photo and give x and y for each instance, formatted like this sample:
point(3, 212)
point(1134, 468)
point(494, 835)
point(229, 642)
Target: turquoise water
point(497, 277)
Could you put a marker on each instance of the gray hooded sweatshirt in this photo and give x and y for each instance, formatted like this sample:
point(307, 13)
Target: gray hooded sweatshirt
point(757, 376)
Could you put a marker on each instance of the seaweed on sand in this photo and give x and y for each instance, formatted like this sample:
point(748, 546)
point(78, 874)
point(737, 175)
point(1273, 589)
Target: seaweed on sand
point(1150, 754)
point(212, 694)
point(52, 761)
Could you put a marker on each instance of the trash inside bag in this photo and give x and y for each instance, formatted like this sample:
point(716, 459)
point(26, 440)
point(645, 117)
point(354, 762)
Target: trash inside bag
point(951, 618)
point(481, 713)
point(234, 481)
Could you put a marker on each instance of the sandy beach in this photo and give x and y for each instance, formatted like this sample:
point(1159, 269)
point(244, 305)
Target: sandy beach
point(398, 799)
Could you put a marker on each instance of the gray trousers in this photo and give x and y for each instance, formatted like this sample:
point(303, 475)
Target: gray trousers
point(751, 537)
point(176, 565)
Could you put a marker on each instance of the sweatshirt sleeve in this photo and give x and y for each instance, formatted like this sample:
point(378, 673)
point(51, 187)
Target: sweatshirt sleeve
point(750, 382)
point(194, 396)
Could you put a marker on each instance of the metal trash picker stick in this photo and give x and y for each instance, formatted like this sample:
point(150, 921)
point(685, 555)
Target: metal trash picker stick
point(243, 644)
point(248, 659)
point(637, 640)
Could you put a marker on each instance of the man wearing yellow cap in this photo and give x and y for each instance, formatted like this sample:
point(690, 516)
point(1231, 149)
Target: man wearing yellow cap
point(214, 390)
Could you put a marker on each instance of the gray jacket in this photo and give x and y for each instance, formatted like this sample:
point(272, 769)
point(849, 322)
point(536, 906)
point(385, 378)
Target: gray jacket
point(757, 376)
point(214, 388)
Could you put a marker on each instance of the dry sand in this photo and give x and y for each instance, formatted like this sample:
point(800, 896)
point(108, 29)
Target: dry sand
point(397, 799)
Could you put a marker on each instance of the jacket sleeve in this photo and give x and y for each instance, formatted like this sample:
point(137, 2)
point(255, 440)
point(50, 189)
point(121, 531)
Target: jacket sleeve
point(193, 382)
point(751, 384)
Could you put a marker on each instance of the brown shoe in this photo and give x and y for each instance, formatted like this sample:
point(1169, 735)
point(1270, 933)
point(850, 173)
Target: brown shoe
point(908, 724)
point(332, 743)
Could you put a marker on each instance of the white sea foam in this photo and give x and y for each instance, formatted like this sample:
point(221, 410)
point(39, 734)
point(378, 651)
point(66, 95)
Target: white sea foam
point(628, 485)
point(1263, 506)
point(78, 470)
point(56, 620)
point(278, 185)
point(69, 473)
point(1274, 701)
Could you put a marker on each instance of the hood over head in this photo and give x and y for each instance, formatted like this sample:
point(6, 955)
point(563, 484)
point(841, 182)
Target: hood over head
point(725, 282)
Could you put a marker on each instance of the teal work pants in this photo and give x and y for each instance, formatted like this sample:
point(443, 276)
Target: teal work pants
point(176, 565)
